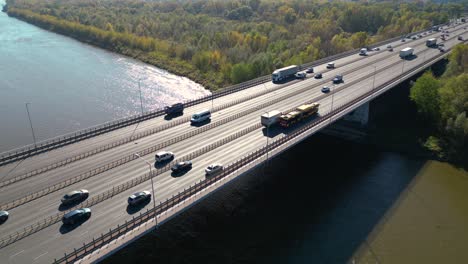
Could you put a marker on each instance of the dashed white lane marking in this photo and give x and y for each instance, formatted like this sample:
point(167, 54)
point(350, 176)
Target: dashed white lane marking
point(40, 255)
point(12, 256)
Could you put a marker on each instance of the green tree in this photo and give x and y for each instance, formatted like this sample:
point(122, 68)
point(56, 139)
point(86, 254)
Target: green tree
point(426, 96)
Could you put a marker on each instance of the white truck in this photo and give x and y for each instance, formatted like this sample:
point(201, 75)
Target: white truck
point(270, 118)
point(404, 53)
point(284, 73)
point(363, 52)
point(431, 42)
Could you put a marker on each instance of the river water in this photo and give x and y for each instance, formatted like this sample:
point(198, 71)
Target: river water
point(71, 85)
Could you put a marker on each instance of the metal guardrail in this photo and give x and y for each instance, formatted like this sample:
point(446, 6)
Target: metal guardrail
point(129, 158)
point(49, 144)
point(202, 184)
point(137, 136)
point(121, 188)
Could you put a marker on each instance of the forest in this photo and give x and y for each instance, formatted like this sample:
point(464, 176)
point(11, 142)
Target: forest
point(223, 42)
point(443, 102)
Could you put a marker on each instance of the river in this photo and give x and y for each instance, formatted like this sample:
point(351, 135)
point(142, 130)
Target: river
point(71, 85)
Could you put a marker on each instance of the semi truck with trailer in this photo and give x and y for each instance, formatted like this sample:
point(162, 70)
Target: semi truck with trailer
point(284, 73)
point(270, 118)
point(431, 42)
point(298, 114)
point(406, 52)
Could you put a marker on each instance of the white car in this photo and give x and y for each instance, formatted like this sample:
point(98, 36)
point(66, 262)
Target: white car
point(331, 65)
point(300, 75)
point(213, 169)
point(164, 156)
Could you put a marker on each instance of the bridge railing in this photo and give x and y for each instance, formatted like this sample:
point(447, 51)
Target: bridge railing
point(255, 156)
point(56, 142)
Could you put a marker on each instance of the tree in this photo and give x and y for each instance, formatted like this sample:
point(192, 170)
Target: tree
point(426, 96)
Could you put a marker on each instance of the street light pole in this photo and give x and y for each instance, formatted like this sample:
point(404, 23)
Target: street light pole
point(152, 186)
point(373, 82)
point(141, 100)
point(30, 123)
point(331, 111)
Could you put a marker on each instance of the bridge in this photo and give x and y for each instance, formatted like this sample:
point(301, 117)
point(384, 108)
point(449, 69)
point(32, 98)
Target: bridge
point(102, 159)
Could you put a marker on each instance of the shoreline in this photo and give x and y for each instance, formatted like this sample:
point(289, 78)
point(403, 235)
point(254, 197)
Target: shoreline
point(176, 66)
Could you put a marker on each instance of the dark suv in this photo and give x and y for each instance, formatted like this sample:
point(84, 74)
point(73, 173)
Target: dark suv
point(174, 109)
point(338, 78)
point(75, 196)
point(76, 216)
point(182, 166)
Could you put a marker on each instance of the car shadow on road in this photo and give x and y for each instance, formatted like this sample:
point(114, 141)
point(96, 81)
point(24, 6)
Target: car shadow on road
point(132, 209)
point(272, 131)
point(68, 228)
point(179, 174)
point(172, 116)
point(162, 164)
point(199, 124)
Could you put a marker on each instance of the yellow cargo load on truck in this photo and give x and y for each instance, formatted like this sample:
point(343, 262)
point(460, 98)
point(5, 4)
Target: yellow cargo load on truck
point(298, 114)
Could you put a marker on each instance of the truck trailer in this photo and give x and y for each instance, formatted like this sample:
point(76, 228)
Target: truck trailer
point(298, 114)
point(431, 42)
point(406, 52)
point(284, 73)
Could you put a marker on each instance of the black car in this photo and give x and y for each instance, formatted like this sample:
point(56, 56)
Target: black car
point(174, 109)
point(3, 216)
point(318, 75)
point(338, 78)
point(310, 70)
point(76, 216)
point(182, 166)
point(75, 196)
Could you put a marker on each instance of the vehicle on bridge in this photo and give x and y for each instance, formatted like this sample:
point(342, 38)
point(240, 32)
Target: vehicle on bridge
point(182, 166)
point(338, 78)
point(325, 89)
point(310, 70)
point(331, 65)
point(174, 109)
point(363, 52)
point(460, 38)
point(270, 118)
point(389, 48)
point(300, 75)
point(284, 73)
point(406, 52)
point(164, 156)
point(3, 216)
point(76, 216)
point(318, 75)
point(201, 116)
point(75, 196)
point(139, 197)
point(214, 169)
point(431, 42)
point(298, 114)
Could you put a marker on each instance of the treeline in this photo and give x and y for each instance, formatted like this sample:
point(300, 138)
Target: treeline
point(444, 102)
point(220, 42)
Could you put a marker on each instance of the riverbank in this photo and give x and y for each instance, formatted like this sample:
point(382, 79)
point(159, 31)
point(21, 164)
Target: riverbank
point(114, 42)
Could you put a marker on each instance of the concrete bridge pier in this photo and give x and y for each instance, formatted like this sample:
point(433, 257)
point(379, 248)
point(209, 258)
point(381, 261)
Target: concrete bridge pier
point(353, 126)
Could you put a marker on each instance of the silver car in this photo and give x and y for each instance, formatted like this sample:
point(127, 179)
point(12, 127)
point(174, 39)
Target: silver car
point(75, 196)
point(214, 169)
point(164, 156)
point(139, 197)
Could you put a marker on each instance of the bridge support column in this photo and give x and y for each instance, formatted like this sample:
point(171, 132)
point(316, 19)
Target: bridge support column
point(352, 126)
point(360, 115)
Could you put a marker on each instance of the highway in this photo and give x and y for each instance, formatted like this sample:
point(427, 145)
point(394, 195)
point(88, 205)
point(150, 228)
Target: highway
point(51, 242)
